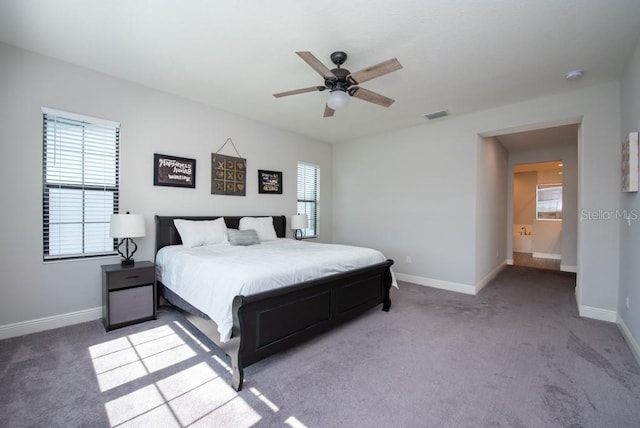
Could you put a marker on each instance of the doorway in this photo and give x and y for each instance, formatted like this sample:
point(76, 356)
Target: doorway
point(537, 214)
point(539, 152)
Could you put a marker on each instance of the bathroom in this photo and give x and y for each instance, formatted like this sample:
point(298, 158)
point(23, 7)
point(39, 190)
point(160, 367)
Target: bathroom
point(537, 214)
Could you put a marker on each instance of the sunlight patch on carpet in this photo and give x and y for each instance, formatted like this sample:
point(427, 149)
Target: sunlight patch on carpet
point(194, 396)
point(264, 399)
point(204, 347)
point(222, 363)
point(145, 402)
point(125, 359)
point(293, 422)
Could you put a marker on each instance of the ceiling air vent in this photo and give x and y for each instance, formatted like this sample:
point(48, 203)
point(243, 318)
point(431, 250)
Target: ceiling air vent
point(436, 114)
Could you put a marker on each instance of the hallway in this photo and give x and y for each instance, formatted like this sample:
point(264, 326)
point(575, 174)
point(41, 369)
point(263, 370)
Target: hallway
point(526, 259)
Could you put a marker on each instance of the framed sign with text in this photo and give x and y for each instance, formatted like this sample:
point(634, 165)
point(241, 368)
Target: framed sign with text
point(269, 181)
point(174, 171)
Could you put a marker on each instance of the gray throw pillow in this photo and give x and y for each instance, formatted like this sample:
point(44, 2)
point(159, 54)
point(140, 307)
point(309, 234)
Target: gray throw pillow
point(243, 237)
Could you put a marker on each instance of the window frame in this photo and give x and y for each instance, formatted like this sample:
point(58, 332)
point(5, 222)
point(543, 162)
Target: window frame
point(310, 205)
point(540, 215)
point(105, 245)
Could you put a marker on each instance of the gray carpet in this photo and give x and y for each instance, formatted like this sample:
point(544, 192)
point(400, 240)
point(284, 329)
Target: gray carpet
point(516, 355)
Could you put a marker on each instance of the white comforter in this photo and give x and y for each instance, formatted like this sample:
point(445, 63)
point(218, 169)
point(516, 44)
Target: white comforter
point(209, 277)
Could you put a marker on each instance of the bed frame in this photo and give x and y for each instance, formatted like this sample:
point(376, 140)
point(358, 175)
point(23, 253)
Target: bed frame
point(275, 320)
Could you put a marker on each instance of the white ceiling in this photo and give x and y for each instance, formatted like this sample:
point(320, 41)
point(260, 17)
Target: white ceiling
point(459, 55)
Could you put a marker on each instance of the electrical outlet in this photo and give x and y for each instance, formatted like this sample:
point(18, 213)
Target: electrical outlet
point(409, 261)
point(627, 302)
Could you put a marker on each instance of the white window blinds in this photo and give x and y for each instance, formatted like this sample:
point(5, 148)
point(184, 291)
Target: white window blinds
point(80, 184)
point(309, 196)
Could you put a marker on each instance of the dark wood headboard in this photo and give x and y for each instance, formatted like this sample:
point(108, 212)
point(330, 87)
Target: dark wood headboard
point(167, 234)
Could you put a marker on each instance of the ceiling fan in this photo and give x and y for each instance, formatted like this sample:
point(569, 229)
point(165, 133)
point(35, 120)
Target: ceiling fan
point(342, 83)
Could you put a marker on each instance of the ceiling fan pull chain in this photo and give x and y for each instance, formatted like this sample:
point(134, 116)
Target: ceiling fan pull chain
point(234, 147)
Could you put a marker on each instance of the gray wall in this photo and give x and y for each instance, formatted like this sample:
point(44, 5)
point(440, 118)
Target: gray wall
point(491, 211)
point(413, 192)
point(630, 234)
point(151, 122)
point(524, 197)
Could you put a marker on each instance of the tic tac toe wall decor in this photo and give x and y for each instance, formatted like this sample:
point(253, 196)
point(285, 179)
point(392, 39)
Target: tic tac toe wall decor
point(228, 173)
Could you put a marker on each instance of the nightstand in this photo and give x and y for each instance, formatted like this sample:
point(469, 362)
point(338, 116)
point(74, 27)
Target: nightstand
point(128, 294)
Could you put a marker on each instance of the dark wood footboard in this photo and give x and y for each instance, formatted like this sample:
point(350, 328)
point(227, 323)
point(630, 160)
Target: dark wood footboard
point(273, 321)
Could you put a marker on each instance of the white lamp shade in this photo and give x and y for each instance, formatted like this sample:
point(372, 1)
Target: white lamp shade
point(337, 99)
point(126, 226)
point(299, 221)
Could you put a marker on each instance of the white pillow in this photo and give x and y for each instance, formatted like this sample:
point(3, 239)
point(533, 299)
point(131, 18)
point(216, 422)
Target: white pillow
point(262, 225)
point(195, 233)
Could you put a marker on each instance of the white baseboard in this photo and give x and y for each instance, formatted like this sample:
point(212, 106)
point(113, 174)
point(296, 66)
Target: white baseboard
point(568, 268)
point(510, 262)
point(487, 279)
point(631, 341)
point(547, 256)
point(597, 313)
point(436, 283)
point(48, 323)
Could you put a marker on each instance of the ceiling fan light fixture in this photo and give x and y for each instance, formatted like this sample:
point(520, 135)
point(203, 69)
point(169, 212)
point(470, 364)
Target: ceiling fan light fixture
point(337, 99)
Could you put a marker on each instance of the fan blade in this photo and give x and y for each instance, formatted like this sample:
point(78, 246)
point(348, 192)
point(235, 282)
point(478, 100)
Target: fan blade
point(374, 71)
point(372, 97)
point(299, 91)
point(328, 112)
point(316, 65)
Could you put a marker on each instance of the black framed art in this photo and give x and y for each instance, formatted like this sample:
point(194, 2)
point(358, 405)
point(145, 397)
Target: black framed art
point(174, 171)
point(270, 181)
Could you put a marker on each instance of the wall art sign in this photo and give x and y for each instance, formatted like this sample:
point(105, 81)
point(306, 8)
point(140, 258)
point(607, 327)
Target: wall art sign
point(174, 171)
point(270, 181)
point(228, 175)
point(630, 163)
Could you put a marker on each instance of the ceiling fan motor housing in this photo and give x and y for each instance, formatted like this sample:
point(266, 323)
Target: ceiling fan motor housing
point(340, 82)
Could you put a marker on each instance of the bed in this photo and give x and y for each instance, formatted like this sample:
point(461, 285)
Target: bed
point(267, 322)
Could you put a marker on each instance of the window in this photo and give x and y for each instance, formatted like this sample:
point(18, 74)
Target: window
point(549, 202)
point(309, 196)
point(80, 184)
